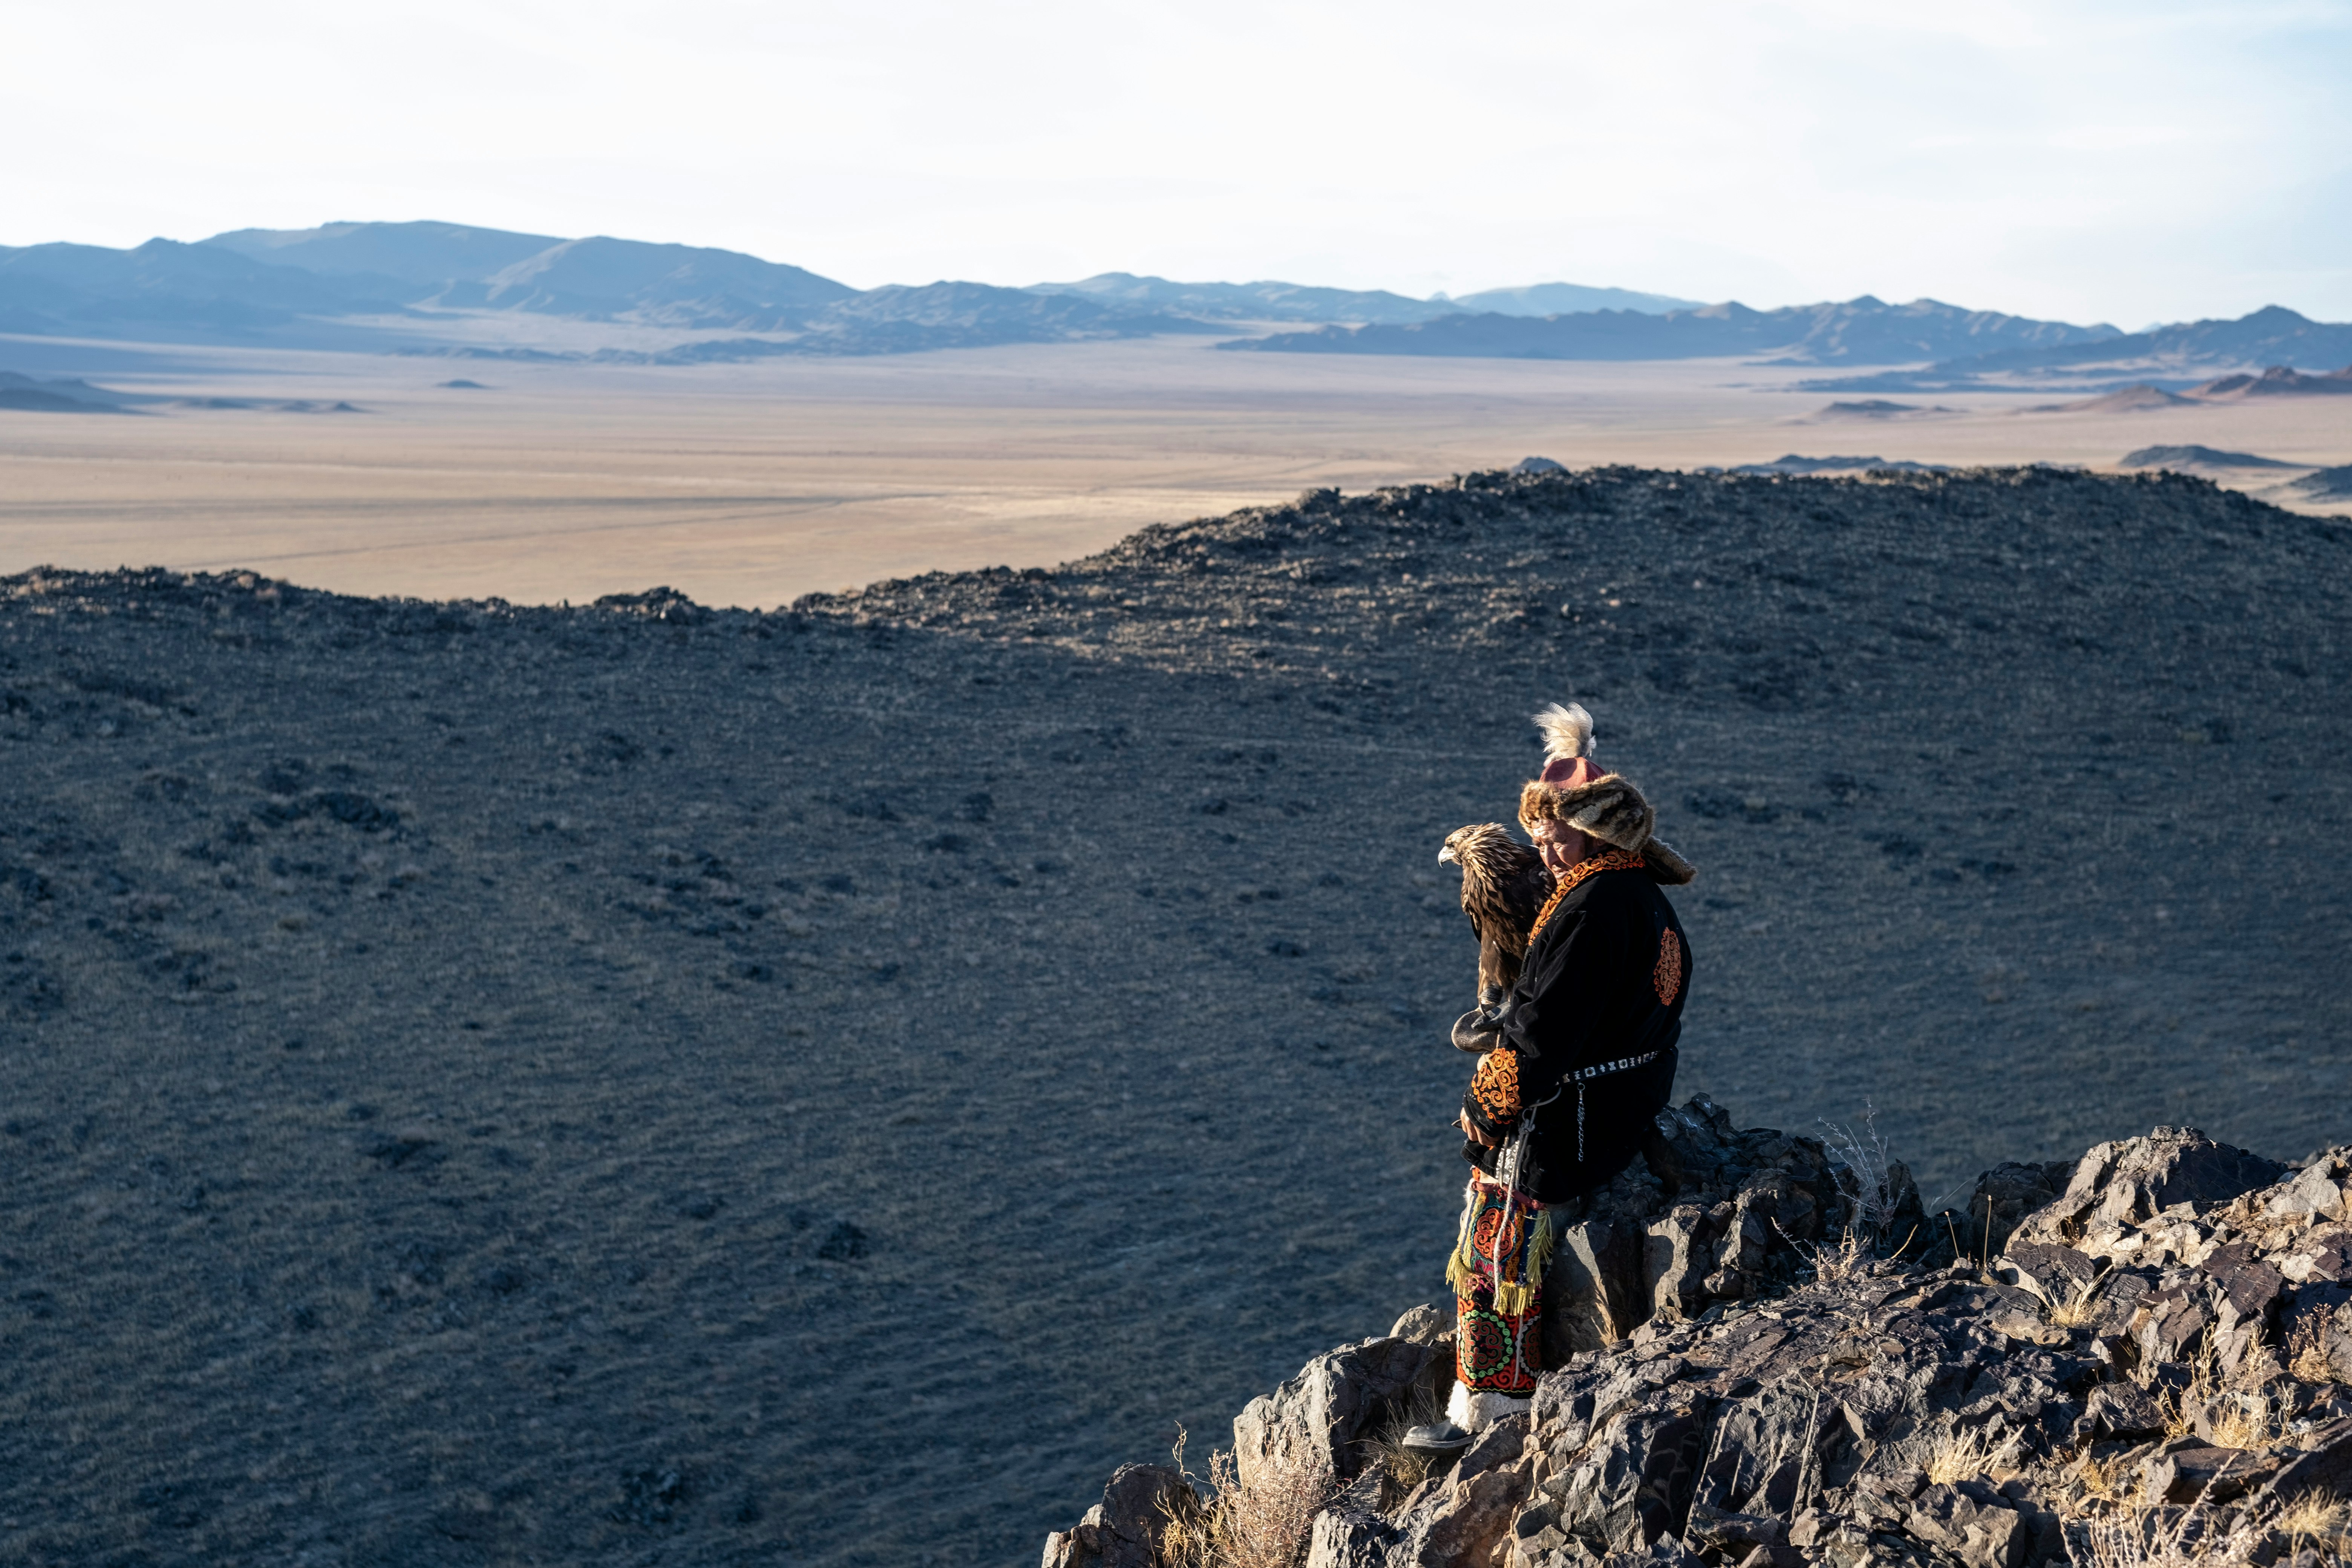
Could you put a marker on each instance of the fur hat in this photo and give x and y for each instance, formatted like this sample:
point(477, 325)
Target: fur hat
point(1605, 806)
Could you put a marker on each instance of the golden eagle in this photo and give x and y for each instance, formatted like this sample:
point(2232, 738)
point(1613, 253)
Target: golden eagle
point(1504, 885)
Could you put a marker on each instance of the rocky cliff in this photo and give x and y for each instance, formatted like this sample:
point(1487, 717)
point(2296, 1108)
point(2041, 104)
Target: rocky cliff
point(2139, 1356)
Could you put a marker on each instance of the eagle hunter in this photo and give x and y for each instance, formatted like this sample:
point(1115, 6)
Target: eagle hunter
point(1574, 1065)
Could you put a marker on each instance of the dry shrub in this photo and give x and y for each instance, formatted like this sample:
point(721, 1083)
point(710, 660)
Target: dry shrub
point(2310, 1531)
point(2307, 1350)
point(1266, 1524)
point(1965, 1456)
point(1870, 1201)
point(2137, 1538)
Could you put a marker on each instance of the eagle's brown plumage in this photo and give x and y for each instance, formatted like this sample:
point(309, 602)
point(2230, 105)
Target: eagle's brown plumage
point(1504, 885)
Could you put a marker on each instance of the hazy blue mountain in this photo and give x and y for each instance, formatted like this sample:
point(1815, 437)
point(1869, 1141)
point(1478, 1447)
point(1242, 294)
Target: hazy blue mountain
point(601, 278)
point(1564, 299)
point(1275, 301)
point(68, 395)
point(895, 318)
point(169, 290)
point(411, 252)
point(1864, 331)
point(2272, 335)
point(901, 319)
point(2189, 350)
point(1266, 302)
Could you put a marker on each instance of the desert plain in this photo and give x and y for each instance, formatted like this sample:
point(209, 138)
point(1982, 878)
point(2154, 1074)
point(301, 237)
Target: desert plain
point(750, 484)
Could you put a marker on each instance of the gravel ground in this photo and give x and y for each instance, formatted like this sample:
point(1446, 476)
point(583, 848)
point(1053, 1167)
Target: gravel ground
point(637, 1084)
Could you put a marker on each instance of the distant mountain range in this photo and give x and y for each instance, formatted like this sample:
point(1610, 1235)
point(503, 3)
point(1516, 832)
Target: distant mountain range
point(447, 289)
point(1298, 302)
point(1863, 332)
point(343, 278)
point(2181, 356)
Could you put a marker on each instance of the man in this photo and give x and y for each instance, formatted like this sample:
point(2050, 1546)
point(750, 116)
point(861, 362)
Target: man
point(1584, 1059)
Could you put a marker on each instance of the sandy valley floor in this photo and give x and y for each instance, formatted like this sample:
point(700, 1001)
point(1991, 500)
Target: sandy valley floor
point(749, 485)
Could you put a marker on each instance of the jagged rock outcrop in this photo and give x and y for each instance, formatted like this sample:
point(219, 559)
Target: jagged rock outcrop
point(1742, 1212)
point(1129, 1528)
point(1323, 1417)
point(2165, 1337)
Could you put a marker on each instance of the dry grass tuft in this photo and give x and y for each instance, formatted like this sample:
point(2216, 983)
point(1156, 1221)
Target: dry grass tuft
point(2081, 1310)
point(1966, 1456)
point(2320, 1519)
point(2107, 1482)
point(1265, 1524)
point(2307, 1350)
point(2240, 1407)
point(1406, 1470)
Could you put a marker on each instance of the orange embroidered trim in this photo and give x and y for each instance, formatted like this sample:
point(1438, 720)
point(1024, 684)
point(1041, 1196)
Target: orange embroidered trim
point(1669, 979)
point(1496, 1085)
point(1614, 860)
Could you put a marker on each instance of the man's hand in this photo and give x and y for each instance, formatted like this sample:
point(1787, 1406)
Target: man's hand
point(1470, 1131)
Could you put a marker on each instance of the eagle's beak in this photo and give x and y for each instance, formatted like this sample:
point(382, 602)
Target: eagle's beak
point(1446, 856)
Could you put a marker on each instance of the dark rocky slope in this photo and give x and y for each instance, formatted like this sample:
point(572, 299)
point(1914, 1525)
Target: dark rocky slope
point(481, 1083)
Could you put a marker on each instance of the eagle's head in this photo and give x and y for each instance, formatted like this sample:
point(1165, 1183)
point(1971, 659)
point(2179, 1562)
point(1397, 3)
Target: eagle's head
point(1480, 849)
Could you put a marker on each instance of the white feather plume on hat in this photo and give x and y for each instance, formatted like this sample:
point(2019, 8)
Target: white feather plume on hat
point(1568, 732)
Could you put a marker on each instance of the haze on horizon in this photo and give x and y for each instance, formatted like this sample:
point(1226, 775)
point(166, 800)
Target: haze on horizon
point(2084, 161)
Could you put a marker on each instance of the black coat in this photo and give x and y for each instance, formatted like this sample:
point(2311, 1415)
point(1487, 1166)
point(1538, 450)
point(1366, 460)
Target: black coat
point(1604, 981)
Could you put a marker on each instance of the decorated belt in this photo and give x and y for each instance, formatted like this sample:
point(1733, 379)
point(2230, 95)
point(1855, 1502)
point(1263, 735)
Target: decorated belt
point(1624, 1064)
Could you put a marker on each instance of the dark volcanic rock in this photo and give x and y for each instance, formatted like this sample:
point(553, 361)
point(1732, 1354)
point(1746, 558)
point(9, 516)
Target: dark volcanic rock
point(1889, 1414)
point(1125, 1528)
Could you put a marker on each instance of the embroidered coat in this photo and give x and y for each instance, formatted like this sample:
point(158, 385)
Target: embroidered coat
point(1604, 981)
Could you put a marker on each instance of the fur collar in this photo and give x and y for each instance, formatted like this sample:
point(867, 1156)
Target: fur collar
point(1613, 810)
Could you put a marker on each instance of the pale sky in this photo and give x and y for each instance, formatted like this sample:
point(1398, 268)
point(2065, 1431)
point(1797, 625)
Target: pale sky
point(2133, 161)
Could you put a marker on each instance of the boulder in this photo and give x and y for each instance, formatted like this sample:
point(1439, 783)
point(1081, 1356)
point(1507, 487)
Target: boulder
point(1636, 1481)
point(2123, 1184)
point(1423, 1325)
point(1125, 1528)
point(2003, 1197)
point(1744, 1207)
point(2059, 1274)
point(2122, 1412)
point(1454, 1518)
point(1476, 1517)
point(1592, 1294)
point(1325, 1415)
point(2250, 1286)
point(1677, 1257)
point(1973, 1522)
point(2322, 1190)
point(2186, 1469)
